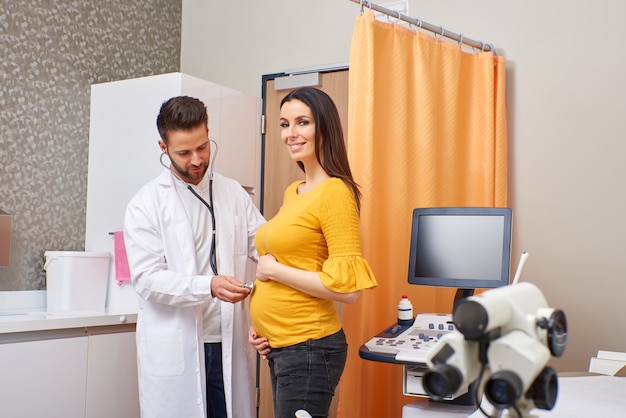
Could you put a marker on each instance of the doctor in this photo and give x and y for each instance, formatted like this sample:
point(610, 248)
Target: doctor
point(188, 234)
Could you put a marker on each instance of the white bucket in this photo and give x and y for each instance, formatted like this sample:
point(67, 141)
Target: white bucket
point(76, 280)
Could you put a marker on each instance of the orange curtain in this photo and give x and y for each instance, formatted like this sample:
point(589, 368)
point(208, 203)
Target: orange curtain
point(427, 128)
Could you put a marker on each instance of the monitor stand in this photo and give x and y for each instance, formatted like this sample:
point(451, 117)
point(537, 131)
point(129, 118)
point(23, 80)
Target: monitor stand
point(460, 295)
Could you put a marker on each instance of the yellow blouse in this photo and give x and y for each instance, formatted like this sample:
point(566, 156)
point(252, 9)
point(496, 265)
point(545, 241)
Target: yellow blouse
point(316, 231)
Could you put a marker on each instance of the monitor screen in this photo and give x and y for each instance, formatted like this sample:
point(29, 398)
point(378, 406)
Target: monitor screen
point(466, 248)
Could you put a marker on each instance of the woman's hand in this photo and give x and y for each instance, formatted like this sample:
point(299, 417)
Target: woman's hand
point(265, 267)
point(260, 344)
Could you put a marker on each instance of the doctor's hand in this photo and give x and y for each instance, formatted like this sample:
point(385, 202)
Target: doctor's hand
point(259, 343)
point(228, 289)
point(265, 267)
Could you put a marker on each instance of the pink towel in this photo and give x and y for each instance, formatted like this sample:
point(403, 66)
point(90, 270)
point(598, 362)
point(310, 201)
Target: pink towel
point(122, 271)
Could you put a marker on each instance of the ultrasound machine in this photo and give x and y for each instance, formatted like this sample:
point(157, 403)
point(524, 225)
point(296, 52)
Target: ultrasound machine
point(465, 248)
point(496, 343)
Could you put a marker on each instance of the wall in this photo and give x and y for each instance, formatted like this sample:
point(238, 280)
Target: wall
point(565, 106)
point(236, 42)
point(51, 53)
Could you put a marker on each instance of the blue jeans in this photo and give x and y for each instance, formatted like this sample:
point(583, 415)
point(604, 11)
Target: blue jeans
point(305, 375)
point(215, 399)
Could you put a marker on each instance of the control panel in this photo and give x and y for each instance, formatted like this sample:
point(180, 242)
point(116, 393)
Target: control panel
point(410, 344)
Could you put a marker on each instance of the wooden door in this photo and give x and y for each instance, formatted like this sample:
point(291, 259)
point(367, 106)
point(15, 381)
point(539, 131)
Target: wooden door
point(280, 171)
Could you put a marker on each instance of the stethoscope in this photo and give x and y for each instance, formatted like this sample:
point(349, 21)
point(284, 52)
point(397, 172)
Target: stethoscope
point(209, 204)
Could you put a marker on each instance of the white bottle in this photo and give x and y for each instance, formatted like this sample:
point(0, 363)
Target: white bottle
point(405, 311)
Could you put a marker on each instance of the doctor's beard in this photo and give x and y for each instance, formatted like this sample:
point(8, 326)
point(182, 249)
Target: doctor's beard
point(186, 175)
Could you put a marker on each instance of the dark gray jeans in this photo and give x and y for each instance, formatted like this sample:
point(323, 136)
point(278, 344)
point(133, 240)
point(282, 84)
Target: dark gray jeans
point(305, 375)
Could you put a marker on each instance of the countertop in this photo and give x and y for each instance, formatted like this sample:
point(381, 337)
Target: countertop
point(15, 320)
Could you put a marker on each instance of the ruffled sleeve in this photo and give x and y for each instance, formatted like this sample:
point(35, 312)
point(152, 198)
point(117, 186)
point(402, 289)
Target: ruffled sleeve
point(345, 270)
point(347, 274)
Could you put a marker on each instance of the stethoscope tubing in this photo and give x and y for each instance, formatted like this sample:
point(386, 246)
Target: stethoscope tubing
point(209, 205)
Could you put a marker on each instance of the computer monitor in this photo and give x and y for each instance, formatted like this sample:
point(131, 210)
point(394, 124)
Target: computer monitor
point(462, 247)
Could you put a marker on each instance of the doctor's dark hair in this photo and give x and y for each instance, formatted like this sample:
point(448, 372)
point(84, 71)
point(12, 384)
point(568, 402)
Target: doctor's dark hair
point(330, 148)
point(181, 113)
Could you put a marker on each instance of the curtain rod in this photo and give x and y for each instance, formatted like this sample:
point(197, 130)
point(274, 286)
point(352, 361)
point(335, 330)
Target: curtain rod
point(437, 30)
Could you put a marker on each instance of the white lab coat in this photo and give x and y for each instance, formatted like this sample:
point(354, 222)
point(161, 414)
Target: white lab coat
point(161, 255)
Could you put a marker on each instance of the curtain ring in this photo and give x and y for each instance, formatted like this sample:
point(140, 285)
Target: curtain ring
point(398, 18)
point(440, 35)
point(362, 3)
point(461, 40)
point(492, 49)
point(419, 23)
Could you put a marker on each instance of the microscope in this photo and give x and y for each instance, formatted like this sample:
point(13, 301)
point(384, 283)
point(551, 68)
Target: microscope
point(500, 348)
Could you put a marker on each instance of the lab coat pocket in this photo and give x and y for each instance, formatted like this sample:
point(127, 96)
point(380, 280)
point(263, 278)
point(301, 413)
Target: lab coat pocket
point(162, 352)
point(241, 236)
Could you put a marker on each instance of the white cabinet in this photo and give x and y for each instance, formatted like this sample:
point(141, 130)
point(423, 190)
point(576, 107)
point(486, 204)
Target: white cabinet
point(124, 152)
point(112, 389)
point(72, 373)
point(235, 125)
point(44, 378)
